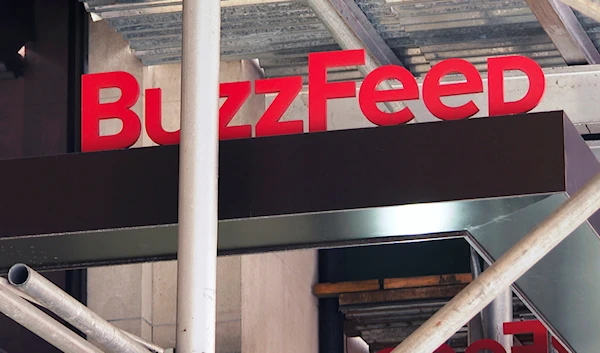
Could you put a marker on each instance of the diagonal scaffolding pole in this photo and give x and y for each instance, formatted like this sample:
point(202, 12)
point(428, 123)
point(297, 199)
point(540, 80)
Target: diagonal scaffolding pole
point(41, 324)
point(4, 284)
point(504, 272)
point(69, 309)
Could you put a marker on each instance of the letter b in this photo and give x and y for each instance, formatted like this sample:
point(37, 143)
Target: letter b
point(92, 111)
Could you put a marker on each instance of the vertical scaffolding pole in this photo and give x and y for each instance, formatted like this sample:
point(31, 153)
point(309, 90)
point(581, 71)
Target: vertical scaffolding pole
point(475, 326)
point(198, 173)
point(495, 315)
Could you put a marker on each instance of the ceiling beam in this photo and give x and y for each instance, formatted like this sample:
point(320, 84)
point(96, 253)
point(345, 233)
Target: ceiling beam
point(351, 29)
point(359, 24)
point(590, 8)
point(565, 31)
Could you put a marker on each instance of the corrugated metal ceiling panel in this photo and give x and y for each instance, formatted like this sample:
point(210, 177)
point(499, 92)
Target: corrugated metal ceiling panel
point(281, 33)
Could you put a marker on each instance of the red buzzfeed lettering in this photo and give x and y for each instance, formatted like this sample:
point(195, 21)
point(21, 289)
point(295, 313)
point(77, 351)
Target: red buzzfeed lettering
point(537, 85)
point(433, 89)
point(558, 346)
point(445, 348)
point(319, 90)
point(93, 112)
point(288, 88)
point(485, 344)
point(154, 120)
point(369, 95)
point(540, 335)
point(236, 94)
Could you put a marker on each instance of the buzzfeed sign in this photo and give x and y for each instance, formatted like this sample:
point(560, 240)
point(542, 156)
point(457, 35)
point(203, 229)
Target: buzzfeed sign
point(319, 92)
point(540, 342)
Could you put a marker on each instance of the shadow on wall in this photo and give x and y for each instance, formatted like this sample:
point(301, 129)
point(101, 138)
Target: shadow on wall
point(17, 18)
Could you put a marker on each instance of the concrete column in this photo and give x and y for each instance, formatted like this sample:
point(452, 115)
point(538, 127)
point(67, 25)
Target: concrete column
point(279, 311)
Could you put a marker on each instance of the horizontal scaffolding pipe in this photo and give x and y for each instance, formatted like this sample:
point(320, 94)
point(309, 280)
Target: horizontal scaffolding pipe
point(42, 324)
point(504, 272)
point(56, 300)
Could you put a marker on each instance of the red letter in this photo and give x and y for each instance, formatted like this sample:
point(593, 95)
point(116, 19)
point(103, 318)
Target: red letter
point(487, 344)
point(445, 348)
point(433, 90)
point(558, 346)
point(236, 94)
point(153, 120)
point(269, 124)
point(318, 88)
point(369, 96)
point(537, 85)
point(92, 112)
point(540, 335)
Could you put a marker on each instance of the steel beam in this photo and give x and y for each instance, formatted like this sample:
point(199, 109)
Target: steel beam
point(363, 29)
point(268, 200)
point(590, 8)
point(566, 32)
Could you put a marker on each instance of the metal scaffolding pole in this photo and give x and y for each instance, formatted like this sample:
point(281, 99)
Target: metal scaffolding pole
point(4, 284)
point(495, 315)
point(198, 177)
point(505, 271)
point(475, 326)
point(69, 309)
point(42, 324)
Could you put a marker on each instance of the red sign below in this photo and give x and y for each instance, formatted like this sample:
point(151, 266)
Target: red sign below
point(319, 92)
point(531, 327)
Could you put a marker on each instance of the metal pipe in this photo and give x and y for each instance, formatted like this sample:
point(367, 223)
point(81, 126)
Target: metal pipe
point(55, 299)
point(5, 284)
point(42, 324)
point(198, 177)
point(151, 346)
point(496, 314)
point(505, 271)
point(347, 40)
point(475, 326)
